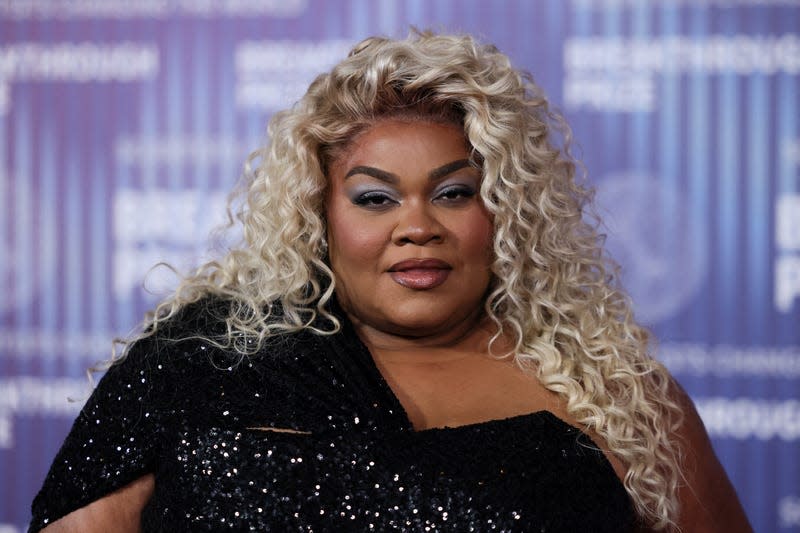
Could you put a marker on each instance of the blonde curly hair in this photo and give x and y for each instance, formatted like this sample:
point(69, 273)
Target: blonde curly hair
point(554, 293)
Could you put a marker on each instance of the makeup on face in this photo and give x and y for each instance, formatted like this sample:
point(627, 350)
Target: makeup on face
point(409, 239)
point(377, 189)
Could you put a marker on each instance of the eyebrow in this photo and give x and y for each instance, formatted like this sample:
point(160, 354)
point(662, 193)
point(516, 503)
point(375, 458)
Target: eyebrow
point(392, 179)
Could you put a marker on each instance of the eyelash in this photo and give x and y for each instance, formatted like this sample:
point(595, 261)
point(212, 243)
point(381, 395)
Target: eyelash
point(460, 192)
point(373, 200)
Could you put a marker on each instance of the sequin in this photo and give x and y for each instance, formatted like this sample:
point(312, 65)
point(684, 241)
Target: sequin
point(349, 459)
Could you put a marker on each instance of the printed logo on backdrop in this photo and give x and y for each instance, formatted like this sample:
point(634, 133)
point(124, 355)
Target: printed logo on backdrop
point(21, 249)
point(78, 62)
point(620, 74)
point(272, 75)
point(150, 9)
point(603, 4)
point(743, 418)
point(789, 511)
point(27, 396)
point(5, 98)
point(650, 236)
point(787, 235)
point(170, 225)
point(161, 226)
point(730, 361)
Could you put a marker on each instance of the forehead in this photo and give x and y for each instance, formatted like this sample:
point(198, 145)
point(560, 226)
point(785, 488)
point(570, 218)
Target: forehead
point(402, 143)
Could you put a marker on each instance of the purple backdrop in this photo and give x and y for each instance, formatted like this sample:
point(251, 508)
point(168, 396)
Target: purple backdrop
point(124, 124)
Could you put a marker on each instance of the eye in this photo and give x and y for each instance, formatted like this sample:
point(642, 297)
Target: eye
point(374, 200)
point(455, 194)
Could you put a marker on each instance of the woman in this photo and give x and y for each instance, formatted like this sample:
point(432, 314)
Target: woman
point(419, 333)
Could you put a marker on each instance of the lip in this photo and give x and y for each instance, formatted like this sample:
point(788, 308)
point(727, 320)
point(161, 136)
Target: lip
point(420, 274)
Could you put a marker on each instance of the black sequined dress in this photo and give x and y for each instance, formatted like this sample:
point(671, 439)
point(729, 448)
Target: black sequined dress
point(307, 436)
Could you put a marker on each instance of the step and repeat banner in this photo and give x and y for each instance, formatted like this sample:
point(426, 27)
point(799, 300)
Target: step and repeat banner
point(124, 124)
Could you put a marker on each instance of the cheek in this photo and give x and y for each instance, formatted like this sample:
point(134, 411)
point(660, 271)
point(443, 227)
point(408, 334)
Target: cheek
point(351, 240)
point(478, 231)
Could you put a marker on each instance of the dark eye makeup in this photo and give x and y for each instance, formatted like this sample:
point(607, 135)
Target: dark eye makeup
point(373, 199)
point(455, 193)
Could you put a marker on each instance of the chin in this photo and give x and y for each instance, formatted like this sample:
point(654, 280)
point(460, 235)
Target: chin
point(422, 321)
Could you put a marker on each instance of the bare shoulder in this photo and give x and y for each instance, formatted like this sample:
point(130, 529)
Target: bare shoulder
point(119, 511)
point(708, 500)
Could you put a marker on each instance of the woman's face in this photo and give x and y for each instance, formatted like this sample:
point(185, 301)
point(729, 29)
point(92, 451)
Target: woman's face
point(410, 242)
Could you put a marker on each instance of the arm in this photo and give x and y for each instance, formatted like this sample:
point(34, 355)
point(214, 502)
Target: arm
point(119, 511)
point(708, 500)
point(114, 441)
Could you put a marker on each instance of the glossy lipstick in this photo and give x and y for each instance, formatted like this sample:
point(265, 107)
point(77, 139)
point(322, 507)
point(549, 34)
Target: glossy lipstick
point(420, 274)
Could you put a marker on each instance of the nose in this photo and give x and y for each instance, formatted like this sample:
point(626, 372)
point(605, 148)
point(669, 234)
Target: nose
point(417, 225)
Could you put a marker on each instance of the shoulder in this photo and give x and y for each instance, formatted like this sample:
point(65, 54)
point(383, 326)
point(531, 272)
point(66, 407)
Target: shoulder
point(202, 331)
point(707, 498)
point(172, 378)
point(207, 316)
point(198, 347)
point(219, 318)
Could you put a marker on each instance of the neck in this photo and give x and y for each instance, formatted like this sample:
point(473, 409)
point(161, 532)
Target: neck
point(468, 339)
